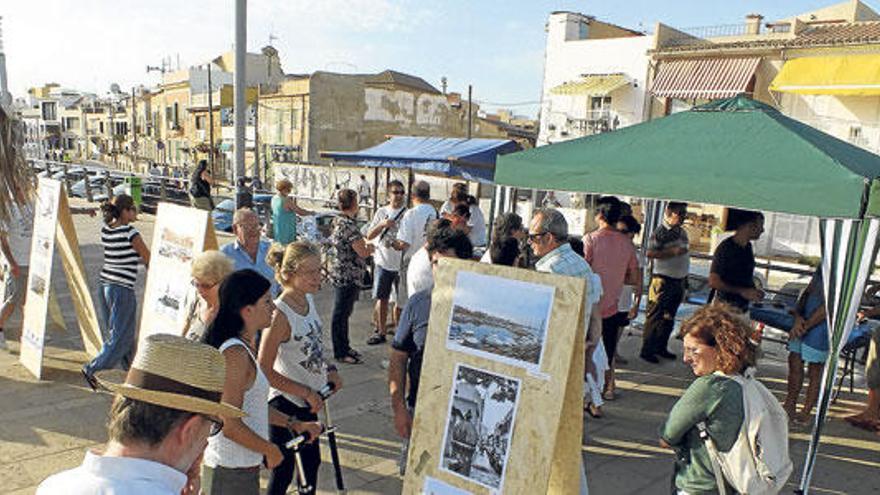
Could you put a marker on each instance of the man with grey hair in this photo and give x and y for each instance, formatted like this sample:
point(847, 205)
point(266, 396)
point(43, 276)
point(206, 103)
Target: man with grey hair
point(411, 234)
point(548, 236)
point(249, 249)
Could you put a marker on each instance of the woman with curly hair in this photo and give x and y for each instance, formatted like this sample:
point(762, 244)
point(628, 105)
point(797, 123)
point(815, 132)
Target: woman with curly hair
point(716, 346)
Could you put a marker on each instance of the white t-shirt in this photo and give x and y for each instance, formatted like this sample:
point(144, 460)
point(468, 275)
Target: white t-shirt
point(420, 276)
point(20, 232)
point(413, 226)
point(385, 256)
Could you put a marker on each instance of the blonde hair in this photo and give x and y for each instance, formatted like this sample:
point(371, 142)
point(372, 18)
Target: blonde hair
point(283, 185)
point(211, 266)
point(288, 259)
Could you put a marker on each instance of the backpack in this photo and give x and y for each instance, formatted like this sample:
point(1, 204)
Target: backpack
point(758, 463)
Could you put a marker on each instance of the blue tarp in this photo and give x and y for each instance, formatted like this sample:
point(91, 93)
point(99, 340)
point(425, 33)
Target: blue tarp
point(470, 159)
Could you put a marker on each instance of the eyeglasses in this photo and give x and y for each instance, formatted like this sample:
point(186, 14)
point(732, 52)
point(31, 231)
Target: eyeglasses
point(397, 192)
point(216, 425)
point(201, 285)
point(534, 237)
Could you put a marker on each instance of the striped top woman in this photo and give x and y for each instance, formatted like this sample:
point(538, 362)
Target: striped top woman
point(117, 305)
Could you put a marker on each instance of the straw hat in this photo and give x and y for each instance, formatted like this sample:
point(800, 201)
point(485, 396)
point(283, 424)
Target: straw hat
point(176, 373)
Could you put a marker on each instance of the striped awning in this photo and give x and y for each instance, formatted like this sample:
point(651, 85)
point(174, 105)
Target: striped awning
point(592, 85)
point(704, 79)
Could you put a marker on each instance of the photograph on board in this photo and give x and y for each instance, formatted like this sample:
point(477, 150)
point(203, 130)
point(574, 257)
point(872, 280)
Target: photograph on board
point(169, 295)
point(433, 486)
point(479, 424)
point(500, 319)
point(176, 246)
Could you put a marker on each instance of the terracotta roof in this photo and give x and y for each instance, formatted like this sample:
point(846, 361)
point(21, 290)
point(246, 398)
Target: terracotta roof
point(401, 79)
point(829, 34)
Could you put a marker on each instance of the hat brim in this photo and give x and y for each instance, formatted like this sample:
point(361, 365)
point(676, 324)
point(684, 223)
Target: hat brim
point(173, 401)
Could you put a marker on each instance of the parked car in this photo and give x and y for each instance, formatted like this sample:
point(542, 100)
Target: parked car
point(101, 195)
point(96, 183)
point(224, 210)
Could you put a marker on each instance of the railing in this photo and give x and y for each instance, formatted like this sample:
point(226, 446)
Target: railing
point(718, 31)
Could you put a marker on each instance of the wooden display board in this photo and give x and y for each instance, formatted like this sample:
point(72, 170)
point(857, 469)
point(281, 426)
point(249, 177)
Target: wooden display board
point(180, 234)
point(500, 404)
point(53, 228)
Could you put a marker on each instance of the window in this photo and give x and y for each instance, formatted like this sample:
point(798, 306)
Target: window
point(101, 127)
point(50, 110)
point(176, 116)
point(200, 122)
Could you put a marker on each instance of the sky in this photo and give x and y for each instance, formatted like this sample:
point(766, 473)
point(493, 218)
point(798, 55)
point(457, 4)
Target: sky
point(523, 302)
point(495, 45)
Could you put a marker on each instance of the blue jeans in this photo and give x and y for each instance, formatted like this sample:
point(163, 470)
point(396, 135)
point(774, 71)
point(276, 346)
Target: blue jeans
point(117, 308)
point(343, 305)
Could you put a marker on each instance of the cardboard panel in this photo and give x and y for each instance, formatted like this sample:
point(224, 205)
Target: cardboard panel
point(180, 234)
point(33, 330)
point(548, 396)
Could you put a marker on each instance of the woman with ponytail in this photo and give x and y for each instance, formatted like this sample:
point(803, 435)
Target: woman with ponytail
point(117, 305)
point(292, 356)
point(233, 457)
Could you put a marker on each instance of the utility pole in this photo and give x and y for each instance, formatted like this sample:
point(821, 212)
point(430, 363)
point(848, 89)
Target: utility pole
point(470, 111)
point(211, 120)
point(133, 130)
point(239, 88)
point(257, 135)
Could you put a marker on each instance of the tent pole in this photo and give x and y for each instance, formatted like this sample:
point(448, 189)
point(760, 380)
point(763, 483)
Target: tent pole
point(409, 187)
point(376, 190)
point(492, 214)
point(849, 248)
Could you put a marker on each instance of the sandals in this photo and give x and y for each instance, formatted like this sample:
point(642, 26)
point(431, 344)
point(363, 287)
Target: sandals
point(376, 339)
point(609, 395)
point(864, 424)
point(593, 410)
point(353, 357)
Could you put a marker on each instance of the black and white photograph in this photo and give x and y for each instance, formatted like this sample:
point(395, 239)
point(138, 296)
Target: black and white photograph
point(500, 319)
point(169, 299)
point(37, 284)
point(479, 424)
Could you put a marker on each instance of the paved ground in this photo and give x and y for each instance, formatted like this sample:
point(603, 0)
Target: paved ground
point(47, 426)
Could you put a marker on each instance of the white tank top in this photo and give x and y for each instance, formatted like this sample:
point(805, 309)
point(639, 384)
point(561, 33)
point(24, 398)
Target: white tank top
point(222, 451)
point(301, 358)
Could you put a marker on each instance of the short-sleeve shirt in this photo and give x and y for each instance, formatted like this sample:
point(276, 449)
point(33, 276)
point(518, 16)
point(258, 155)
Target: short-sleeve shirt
point(413, 226)
point(666, 237)
point(283, 222)
point(735, 265)
point(420, 273)
point(718, 401)
point(610, 254)
point(346, 267)
point(410, 338)
point(120, 258)
point(386, 256)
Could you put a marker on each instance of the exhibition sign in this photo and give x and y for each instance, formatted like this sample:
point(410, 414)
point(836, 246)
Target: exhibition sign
point(504, 363)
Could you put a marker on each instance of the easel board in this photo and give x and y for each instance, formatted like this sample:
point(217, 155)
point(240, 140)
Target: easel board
point(503, 364)
point(180, 234)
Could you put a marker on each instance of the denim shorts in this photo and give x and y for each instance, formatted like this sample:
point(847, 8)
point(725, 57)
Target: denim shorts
point(383, 282)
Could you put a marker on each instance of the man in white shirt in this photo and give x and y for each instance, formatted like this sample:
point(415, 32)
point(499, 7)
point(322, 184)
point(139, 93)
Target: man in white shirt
point(382, 232)
point(364, 191)
point(411, 234)
point(159, 424)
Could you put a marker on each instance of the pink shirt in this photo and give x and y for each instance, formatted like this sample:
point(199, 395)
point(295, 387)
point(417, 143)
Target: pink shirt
point(610, 254)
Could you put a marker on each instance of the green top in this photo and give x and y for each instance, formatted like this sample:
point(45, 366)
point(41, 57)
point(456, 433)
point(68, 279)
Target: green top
point(283, 222)
point(718, 401)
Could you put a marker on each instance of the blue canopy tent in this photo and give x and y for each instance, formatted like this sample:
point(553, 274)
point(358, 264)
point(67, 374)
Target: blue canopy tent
point(470, 159)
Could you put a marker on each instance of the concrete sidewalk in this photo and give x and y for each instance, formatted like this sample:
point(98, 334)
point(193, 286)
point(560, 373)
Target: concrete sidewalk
point(46, 426)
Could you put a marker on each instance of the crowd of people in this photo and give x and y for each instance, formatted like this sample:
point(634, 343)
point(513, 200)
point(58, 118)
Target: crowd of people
point(205, 409)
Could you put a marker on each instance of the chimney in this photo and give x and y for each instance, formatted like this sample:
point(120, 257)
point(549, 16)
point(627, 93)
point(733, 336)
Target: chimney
point(753, 24)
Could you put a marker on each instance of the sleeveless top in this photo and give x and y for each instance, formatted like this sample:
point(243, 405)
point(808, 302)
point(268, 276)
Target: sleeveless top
point(222, 451)
point(301, 358)
point(283, 222)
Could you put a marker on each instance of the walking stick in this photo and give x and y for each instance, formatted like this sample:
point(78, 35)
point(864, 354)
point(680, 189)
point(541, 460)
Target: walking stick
point(325, 392)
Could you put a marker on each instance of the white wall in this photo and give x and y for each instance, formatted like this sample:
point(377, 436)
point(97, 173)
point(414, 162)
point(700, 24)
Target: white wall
point(568, 60)
point(405, 108)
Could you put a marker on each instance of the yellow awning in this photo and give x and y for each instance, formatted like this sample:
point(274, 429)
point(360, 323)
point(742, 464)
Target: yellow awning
point(854, 75)
point(592, 85)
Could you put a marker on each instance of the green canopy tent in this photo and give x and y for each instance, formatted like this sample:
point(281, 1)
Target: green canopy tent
point(744, 154)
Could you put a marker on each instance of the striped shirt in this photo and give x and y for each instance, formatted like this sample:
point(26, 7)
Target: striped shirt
point(120, 258)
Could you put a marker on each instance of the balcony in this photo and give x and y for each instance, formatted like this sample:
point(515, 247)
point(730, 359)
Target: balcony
point(595, 122)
